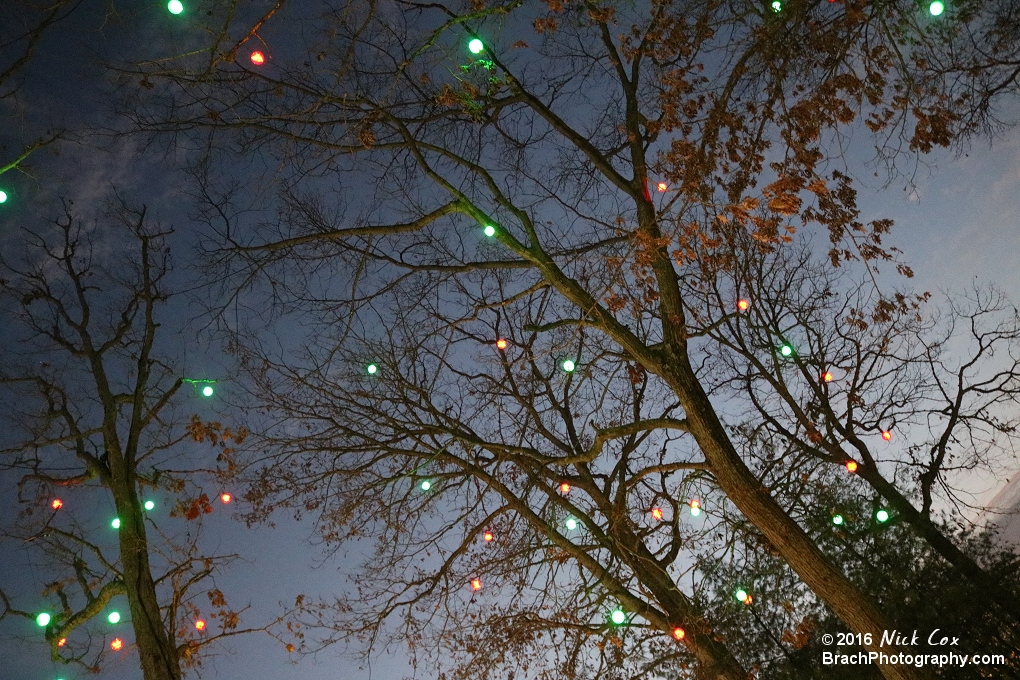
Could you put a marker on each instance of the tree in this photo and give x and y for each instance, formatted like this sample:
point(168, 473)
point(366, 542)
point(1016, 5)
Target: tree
point(89, 401)
point(609, 165)
point(867, 374)
point(19, 40)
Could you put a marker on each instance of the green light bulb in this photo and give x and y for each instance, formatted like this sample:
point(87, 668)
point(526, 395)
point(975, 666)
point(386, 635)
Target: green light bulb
point(777, 6)
point(175, 6)
point(490, 230)
point(114, 617)
point(618, 617)
point(43, 620)
point(3, 196)
point(475, 46)
point(115, 523)
point(372, 369)
point(568, 365)
point(882, 516)
point(426, 485)
point(936, 8)
point(149, 505)
point(741, 595)
point(571, 524)
point(207, 391)
point(837, 519)
point(786, 351)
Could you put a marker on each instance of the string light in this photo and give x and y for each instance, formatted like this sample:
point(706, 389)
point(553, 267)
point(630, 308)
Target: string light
point(679, 633)
point(488, 537)
point(3, 196)
point(743, 305)
point(476, 46)
point(476, 584)
point(568, 365)
point(149, 505)
point(61, 642)
point(571, 524)
point(618, 617)
point(258, 58)
point(657, 513)
point(114, 617)
point(564, 488)
point(425, 485)
point(56, 504)
point(851, 466)
point(372, 369)
point(742, 596)
point(115, 523)
point(777, 6)
point(886, 435)
point(695, 508)
point(827, 377)
point(936, 8)
point(116, 644)
point(225, 498)
point(207, 391)
point(882, 516)
point(501, 344)
point(489, 230)
point(43, 620)
point(786, 350)
point(837, 519)
point(661, 186)
point(175, 6)
point(200, 624)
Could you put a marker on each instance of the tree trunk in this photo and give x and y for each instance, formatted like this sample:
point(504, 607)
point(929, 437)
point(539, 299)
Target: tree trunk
point(155, 650)
point(745, 491)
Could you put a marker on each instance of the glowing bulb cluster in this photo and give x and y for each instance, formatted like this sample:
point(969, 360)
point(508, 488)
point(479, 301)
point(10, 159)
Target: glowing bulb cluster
point(695, 508)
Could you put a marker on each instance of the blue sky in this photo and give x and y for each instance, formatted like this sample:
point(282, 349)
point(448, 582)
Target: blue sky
point(960, 221)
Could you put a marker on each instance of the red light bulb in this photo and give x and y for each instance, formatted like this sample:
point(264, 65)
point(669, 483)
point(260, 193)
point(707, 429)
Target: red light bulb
point(501, 343)
point(679, 633)
point(258, 58)
point(116, 644)
point(226, 498)
point(487, 537)
point(827, 377)
point(743, 305)
point(661, 186)
point(564, 488)
point(886, 435)
point(61, 642)
point(200, 624)
point(657, 513)
point(851, 466)
point(57, 504)
point(476, 584)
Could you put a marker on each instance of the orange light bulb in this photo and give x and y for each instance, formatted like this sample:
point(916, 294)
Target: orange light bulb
point(200, 624)
point(657, 513)
point(226, 498)
point(564, 488)
point(827, 377)
point(61, 642)
point(487, 537)
point(679, 633)
point(116, 644)
point(57, 504)
point(851, 466)
point(258, 58)
point(886, 435)
point(743, 305)
point(501, 343)
point(476, 584)
point(662, 186)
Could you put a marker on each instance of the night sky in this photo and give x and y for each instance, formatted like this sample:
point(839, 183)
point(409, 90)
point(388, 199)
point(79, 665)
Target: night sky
point(960, 222)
